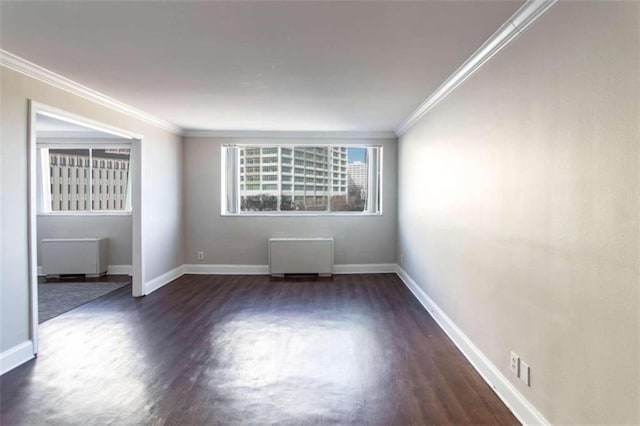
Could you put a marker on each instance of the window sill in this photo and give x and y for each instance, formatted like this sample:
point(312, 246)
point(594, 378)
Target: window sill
point(101, 213)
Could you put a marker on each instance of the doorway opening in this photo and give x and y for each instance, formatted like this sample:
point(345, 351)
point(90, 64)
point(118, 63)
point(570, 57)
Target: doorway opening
point(84, 203)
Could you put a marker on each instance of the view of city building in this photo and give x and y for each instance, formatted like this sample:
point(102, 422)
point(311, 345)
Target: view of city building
point(281, 178)
point(88, 179)
point(357, 178)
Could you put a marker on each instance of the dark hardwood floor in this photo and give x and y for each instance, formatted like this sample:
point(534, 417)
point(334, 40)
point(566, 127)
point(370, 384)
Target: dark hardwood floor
point(355, 349)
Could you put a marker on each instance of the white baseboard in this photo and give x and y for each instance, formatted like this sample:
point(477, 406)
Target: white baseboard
point(517, 403)
point(120, 270)
point(215, 269)
point(111, 270)
point(212, 269)
point(17, 355)
point(164, 279)
point(374, 268)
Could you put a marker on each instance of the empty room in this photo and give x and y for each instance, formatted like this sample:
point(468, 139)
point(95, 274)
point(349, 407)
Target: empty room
point(320, 212)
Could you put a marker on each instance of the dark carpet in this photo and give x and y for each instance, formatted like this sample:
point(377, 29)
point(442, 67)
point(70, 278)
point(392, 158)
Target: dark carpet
point(57, 298)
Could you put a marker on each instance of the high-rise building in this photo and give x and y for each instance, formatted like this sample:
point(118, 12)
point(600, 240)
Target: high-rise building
point(357, 177)
point(83, 179)
point(292, 178)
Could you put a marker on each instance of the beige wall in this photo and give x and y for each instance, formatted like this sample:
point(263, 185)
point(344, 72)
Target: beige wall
point(161, 193)
point(243, 240)
point(518, 210)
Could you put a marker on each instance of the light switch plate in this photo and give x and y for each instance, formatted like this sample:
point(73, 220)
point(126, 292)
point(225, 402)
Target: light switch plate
point(515, 364)
point(525, 373)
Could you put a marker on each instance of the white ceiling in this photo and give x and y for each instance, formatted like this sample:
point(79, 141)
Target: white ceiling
point(306, 66)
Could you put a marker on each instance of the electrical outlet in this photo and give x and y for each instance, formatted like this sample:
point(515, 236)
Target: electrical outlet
point(200, 255)
point(525, 373)
point(515, 364)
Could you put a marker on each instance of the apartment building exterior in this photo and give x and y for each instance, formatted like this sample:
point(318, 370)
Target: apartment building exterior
point(83, 179)
point(293, 177)
point(357, 178)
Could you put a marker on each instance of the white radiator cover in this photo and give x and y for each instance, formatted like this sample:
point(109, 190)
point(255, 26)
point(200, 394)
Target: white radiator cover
point(74, 256)
point(301, 256)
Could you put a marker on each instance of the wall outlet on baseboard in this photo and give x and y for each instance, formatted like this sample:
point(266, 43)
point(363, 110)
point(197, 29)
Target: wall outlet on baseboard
point(525, 373)
point(200, 255)
point(515, 364)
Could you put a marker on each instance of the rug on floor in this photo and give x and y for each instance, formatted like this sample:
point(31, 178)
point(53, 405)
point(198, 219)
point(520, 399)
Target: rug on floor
point(57, 298)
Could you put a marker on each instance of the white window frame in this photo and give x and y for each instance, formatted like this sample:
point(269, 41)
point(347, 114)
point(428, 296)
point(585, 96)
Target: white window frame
point(44, 203)
point(230, 182)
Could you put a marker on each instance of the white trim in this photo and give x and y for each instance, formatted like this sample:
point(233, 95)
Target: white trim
point(525, 411)
point(216, 269)
point(120, 270)
point(15, 356)
point(163, 279)
point(32, 70)
point(32, 205)
point(272, 134)
point(512, 28)
point(372, 268)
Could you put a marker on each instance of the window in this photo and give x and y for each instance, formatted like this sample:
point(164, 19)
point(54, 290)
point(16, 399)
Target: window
point(71, 190)
point(340, 179)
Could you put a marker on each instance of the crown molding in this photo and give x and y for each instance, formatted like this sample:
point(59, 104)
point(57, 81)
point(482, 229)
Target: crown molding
point(512, 28)
point(16, 63)
point(257, 134)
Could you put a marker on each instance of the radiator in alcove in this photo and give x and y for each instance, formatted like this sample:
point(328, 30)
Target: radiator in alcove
point(75, 256)
point(301, 256)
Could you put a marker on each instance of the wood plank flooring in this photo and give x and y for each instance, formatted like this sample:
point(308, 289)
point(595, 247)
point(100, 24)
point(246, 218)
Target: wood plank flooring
point(354, 349)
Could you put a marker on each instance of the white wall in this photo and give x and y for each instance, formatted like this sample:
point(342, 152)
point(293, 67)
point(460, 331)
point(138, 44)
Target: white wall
point(161, 193)
point(518, 210)
point(243, 240)
point(117, 228)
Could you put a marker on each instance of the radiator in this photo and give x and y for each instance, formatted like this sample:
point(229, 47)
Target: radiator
point(76, 256)
point(301, 256)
